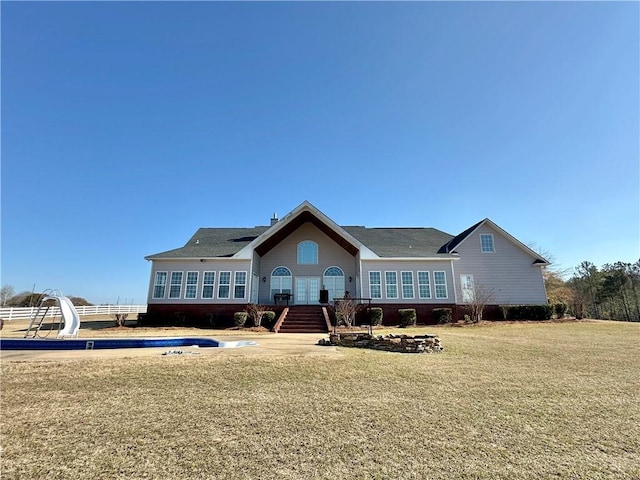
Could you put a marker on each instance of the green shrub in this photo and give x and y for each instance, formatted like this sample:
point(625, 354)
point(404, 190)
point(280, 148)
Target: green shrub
point(530, 312)
point(408, 317)
point(269, 319)
point(442, 315)
point(375, 316)
point(240, 319)
point(560, 309)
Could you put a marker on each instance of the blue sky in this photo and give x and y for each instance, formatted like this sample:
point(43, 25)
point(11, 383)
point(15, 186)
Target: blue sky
point(126, 126)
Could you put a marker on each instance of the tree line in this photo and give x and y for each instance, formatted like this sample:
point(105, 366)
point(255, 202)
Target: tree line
point(8, 298)
point(611, 292)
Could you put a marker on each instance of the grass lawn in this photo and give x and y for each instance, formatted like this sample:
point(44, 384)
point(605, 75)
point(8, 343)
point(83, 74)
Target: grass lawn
point(508, 401)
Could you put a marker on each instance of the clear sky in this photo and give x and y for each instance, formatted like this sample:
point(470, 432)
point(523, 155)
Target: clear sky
point(126, 126)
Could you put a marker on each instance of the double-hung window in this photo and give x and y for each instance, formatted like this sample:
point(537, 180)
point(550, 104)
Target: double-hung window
point(440, 284)
point(239, 284)
point(375, 285)
point(159, 284)
point(191, 289)
point(175, 287)
point(424, 286)
point(208, 282)
point(391, 284)
point(224, 285)
point(407, 284)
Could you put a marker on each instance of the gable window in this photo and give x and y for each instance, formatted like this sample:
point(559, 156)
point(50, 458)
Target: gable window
point(375, 285)
point(224, 284)
point(208, 281)
point(486, 243)
point(307, 253)
point(333, 281)
point(440, 284)
point(407, 284)
point(191, 290)
point(424, 285)
point(239, 284)
point(159, 284)
point(175, 288)
point(281, 281)
point(391, 284)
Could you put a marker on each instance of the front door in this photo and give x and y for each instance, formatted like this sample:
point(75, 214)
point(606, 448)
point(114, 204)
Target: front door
point(307, 291)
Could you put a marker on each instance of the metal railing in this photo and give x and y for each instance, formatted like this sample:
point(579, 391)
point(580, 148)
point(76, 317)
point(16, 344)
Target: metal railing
point(19, 313)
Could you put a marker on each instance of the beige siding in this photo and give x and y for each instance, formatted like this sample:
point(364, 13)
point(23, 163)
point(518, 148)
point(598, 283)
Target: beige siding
point(509, 271)
point(413, 266)
point(285, 254)
point(195, 265)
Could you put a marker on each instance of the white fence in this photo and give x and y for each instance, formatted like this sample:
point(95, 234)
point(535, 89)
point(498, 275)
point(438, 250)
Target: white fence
point(15, 313)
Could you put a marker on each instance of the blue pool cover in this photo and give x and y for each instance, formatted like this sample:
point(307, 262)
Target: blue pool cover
point(102, 343)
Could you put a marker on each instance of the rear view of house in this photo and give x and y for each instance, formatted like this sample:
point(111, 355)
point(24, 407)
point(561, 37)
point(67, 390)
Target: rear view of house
point(305, 260)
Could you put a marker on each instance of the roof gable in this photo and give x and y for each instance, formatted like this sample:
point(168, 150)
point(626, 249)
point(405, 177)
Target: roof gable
point(462, 237)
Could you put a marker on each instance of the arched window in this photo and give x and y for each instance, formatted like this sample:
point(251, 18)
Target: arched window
point(307, 253)
point(281, 281)
point(333, 281)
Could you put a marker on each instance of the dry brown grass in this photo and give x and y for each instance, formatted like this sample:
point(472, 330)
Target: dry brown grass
point(514, 402)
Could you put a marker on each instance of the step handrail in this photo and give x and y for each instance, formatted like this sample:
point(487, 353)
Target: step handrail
point(281, 318)
point(326, 318)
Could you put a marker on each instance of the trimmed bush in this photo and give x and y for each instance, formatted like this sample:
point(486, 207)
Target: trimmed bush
point(240, 319)
point(375, 316)
point(408, 317)
point(269, 319)
point(442, 315)
point(530, 312)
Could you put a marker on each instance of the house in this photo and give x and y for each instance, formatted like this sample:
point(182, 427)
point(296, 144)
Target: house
point(305, 258)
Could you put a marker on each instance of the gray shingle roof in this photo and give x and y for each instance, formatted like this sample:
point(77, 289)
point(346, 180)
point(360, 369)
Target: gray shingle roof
point(213, 242)
point(401, 242)
point(385, 242)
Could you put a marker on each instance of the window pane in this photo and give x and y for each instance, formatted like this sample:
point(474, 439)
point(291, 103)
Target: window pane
point(486, 243)
point(375, 286)
point(160, 284)
point(176, 285)
point(191, 290)
point(407, 284)
point(208, 281)
point(224, 283)
point(308, 253)
point(440, 281)
point(391, 283)
point(240, 282)
point(424, 288)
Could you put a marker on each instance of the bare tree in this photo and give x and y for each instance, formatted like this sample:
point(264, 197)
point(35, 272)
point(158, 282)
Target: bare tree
point(256, 312)
point(479, 297)
point(6, 292)
point(346, 309)
point(120, 318)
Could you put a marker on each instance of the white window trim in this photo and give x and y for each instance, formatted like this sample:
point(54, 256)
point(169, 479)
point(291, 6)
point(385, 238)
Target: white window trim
point(386, 292)
point(235, 277)
point(493, 244)
point(376, 284)
point(187, 285)
point(171, 284)
point(317, 256)
point(155, 284)
point(220, 284)
point(430, 296)
point(435, 285)
point(212, 285)
point(412, 285)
